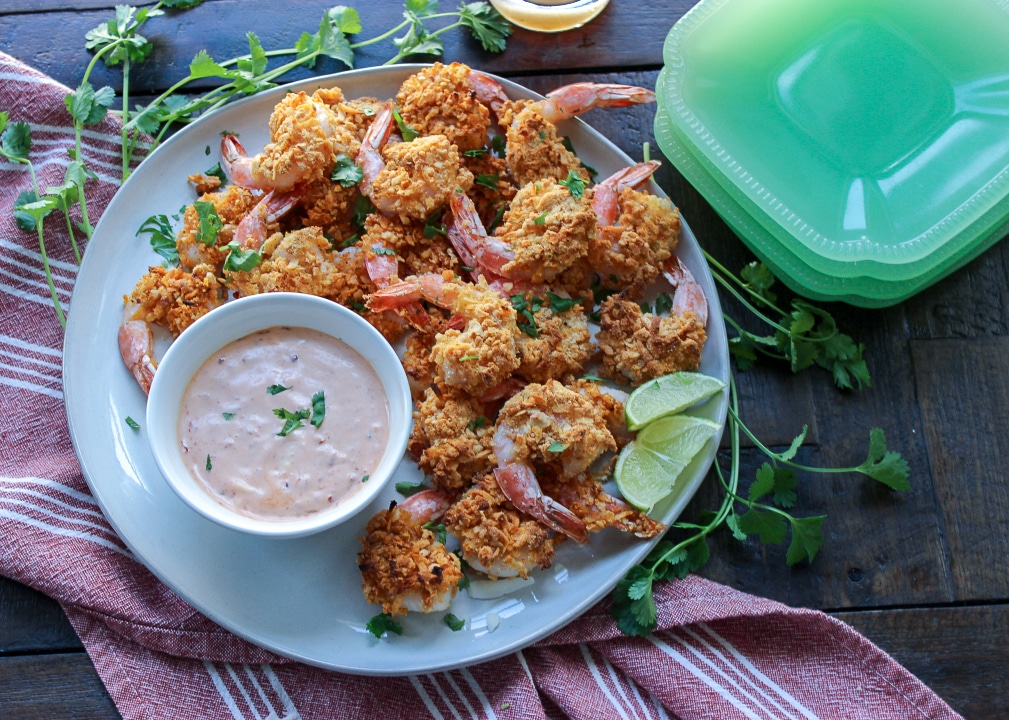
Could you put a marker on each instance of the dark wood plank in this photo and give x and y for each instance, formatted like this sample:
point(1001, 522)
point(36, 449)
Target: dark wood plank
point(53, 687)
point(32, 622)
point(53, 42)
point(963, 395)
point(958, 652)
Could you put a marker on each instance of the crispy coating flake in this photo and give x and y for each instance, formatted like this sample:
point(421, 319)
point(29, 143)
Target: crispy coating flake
point(630, 254)
point(637, 346)
point(175, 298)
point(419, 177)
point(403, 567)
point(497, 539)
point(551, 426)
point(548, 229)
point(231, 204)
point(204, 184)
point(451, 439)
point(535, 150)
point(585, 497)
point(561, 348)
point(439, 100)
point(485, 352)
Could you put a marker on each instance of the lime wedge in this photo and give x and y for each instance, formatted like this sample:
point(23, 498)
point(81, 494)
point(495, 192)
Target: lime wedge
point(668, 395)
point(648, 466)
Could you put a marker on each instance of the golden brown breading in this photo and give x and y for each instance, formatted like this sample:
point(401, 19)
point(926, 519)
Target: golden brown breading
point(585, 497)
point(175, 298)
point(637, 346)
point(551, 426)
point(439, 100)
point(630, 254)
point(204, 184)
point(329, 206)
point(301, 148)
point(415, 253)
point(561, 348)
point(548, 229)
point(418, 178)
point(489, 170)
point(451, 439)
point(497, 539)
point(535, 151)
point(485, 352)
point(403, 567)
point(231, 204)
point(299, 261)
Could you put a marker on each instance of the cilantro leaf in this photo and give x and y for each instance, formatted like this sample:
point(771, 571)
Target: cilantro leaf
point(162, 237)
point(346, 172)
point(487, 24)
point(240, 259)
point(633, 606)
point(407, 489)
point(383, 623)
point(277, 388)
point(210, 222)
point(133, 424)
point(806, 539)
point(439, 530)
point(16, 141)
point(770, 527)
point(88, 106)
point(318, 409)
point(454, 622)
point(560, 304)
point(758, 279)
point(489, 181)
point(574, 183)
point(885, 466)
point(405, 130)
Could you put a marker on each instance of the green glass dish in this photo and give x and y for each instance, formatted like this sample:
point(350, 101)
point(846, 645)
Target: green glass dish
point(868, 131)
point(938, 263)
point(861, 291)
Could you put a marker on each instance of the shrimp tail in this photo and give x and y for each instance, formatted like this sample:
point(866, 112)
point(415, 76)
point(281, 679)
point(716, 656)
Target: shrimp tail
point(604, 199)
point(369, 157)
point(688, 296)
point(520, 486)
point(577, 98)
point(136, 345)
point(426, 506)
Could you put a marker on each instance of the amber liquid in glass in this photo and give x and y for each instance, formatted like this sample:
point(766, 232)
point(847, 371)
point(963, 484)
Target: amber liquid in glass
point(549, 15)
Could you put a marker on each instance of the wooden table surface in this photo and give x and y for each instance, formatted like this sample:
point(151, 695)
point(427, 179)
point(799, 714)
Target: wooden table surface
point(921, 573)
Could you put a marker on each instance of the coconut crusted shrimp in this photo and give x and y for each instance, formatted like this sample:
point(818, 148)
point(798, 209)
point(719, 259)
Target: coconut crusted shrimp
point(553, 428)
point(231, 205)
point(172, 298)
point(451, 439)
point(403, 565)
point(545, 231)
point(535, 149)
point(636, 232)
point(440, 100)
point(557, 345)
point(298, 261)
point(482, 354)
point(409, 180)
point(638, 346)
point(494, 537)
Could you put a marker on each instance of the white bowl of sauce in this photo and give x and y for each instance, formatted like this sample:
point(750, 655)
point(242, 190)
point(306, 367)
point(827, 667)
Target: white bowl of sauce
point(279, 414)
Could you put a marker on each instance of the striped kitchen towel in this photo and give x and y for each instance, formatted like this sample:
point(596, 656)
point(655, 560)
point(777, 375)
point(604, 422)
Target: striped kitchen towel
point(719, 653)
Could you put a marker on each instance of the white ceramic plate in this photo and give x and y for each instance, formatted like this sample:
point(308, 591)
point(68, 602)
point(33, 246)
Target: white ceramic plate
point(301, 597)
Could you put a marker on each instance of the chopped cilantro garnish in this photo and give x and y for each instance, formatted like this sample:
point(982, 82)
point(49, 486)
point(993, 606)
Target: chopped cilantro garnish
point(476, 153)
point(240, 259)
point(663, 304)
point(560, 304)
point(407, 489)
point(540, 219)
point(217, 172)
point(228, 416)
point(209, 464)
point(346, 173)
point(487, 180)
point(365, 478)
point(133, 424)
point(277, 389)
point(210, 222)
point(455, 623)
point(405, 130)
point(574, 183)
point(557, 447)
point(383, 623)
point(440, 533)
point(353, 239)
point(479, 422)
point(319, 409)
point(162, 237)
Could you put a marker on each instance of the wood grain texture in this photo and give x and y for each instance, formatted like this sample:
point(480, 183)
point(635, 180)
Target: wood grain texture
point(960, 652)
point(53, 687)
point(32, 622)
point(963, 395)
point(617, 38)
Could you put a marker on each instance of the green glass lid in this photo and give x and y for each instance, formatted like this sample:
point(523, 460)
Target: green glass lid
point(859, 290)
point(865, 130)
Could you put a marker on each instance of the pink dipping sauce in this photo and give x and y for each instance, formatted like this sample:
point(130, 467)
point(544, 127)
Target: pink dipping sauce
point(228, 415)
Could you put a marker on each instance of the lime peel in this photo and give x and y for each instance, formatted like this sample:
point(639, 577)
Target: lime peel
point(668, 395)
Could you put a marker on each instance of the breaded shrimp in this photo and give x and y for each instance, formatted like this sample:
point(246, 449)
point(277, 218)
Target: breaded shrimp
point(496, 539)
point(440, 100)
point(299, 261)
point(485, 351)
point(403, 566)
point(560, 348)
point(637, 346)
point(585, 497)
point(173, 297)
point(451, 439)
point(231, 205)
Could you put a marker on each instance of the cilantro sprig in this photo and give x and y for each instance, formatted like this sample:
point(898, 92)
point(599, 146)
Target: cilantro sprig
point(804, 336)
point(763, 512)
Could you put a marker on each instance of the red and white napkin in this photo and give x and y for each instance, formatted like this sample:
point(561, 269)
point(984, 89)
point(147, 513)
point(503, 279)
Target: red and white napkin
point(718, 653)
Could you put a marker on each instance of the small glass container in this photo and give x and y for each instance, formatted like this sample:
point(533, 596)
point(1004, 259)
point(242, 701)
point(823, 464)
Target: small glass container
point(549, 15)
